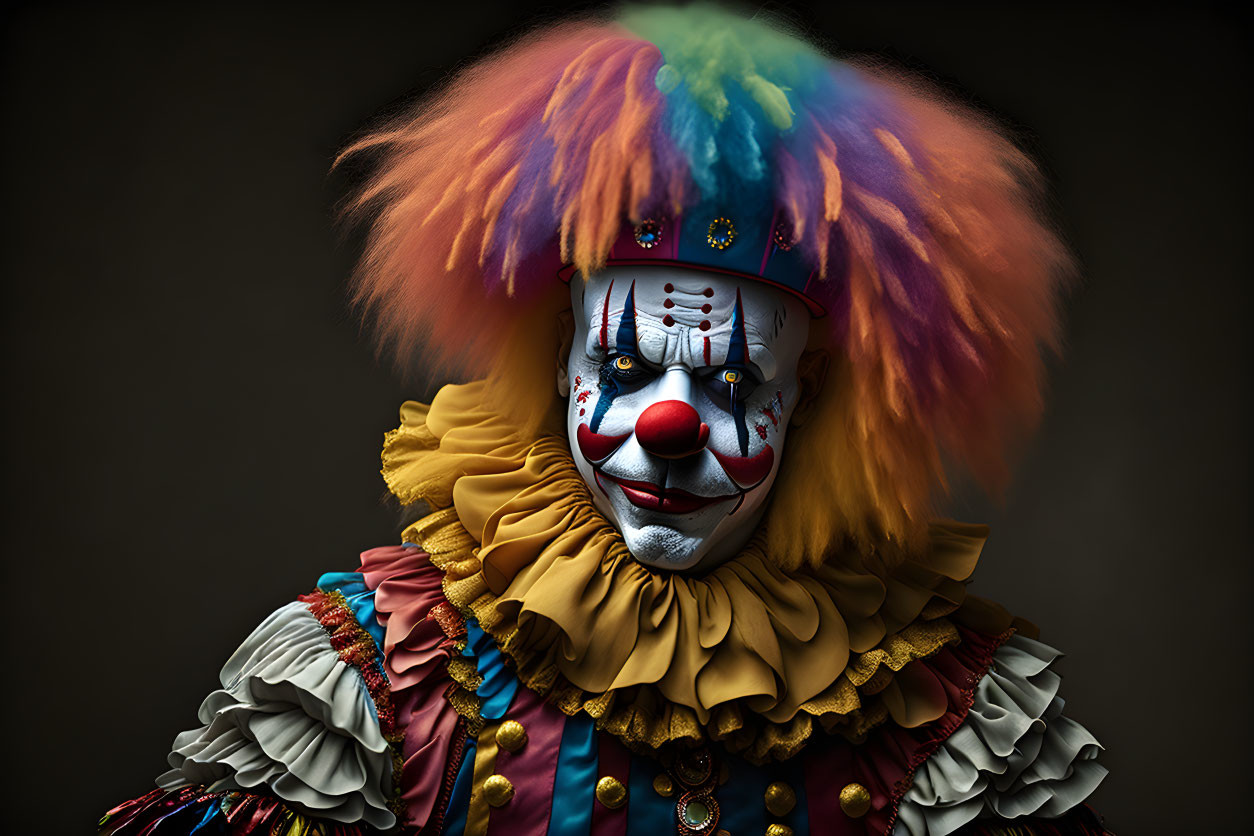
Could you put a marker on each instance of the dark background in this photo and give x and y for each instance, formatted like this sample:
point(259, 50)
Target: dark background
point(192, 420)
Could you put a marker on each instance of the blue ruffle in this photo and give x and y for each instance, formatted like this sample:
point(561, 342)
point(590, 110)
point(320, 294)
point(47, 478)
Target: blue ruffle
point(459, 801)
point(352, 585)
point(499, 683)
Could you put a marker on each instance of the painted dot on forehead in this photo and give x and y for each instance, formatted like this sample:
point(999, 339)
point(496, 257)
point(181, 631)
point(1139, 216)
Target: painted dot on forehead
point(709, 291)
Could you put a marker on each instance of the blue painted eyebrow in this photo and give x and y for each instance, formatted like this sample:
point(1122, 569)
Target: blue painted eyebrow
point(738, 357)
point(737, 342)
point(625, 338)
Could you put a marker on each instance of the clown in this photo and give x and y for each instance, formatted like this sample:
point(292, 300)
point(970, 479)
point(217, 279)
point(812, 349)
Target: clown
point(727, 305)
point(692, 362)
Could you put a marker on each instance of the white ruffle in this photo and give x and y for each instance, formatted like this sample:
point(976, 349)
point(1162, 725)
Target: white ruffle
point(291, 716)
point(1014, 755)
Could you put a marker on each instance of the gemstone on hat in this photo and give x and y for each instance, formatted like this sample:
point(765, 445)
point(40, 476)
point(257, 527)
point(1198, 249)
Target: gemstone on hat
point(648, 233)
point(721, 234)
point(783, 235)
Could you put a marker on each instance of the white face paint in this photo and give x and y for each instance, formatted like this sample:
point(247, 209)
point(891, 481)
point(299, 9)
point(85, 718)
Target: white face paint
point(681, 386)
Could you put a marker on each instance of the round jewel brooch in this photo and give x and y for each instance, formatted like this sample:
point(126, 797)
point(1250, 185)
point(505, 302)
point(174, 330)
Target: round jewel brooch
point(721, 234)
point(649, 234)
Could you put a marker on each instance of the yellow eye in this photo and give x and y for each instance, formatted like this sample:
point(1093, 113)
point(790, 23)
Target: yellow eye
point(732, 376)
point(624, 364)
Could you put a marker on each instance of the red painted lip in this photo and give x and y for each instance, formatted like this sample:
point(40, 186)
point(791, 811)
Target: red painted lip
point(653, 497)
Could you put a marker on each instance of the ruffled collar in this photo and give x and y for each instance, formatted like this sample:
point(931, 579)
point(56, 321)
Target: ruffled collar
point(749, 654)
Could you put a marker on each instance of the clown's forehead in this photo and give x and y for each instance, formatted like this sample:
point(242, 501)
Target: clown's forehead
point(690, 318)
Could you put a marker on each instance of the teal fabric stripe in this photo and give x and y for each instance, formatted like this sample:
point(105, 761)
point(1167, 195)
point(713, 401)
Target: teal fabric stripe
point(742, 806)
point(499, 685)
point(794, 775)
point(352, 585)
point(459, 801)
point(648, 814)
point(574, 789)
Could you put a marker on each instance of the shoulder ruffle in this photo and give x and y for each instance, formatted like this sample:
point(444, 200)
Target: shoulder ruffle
point(1015, 755)
point(293, 717)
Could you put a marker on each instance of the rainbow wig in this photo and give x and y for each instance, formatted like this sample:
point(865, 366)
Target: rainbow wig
point(921, 221)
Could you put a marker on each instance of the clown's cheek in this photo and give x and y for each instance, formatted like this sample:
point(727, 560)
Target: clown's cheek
point(596, 402)
point(767, 413)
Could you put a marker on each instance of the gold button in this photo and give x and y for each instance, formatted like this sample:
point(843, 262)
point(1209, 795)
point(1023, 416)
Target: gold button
point(611, 792)
point(664, 786)
point(780, 799)
point(855, 800)
point(498, 790)
point(778, 830)
point(511, 736)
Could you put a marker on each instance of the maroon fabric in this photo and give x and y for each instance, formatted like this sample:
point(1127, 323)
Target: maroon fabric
point(533, 769)
point(420, 634)
point(827, 770)
point(614, 759)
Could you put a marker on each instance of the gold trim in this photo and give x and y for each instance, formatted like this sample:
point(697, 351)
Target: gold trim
point(480, 808)
point(464, 672)
point(467, 704)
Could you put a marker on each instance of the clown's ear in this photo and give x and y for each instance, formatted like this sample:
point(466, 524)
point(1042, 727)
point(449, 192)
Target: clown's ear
point(811, 374)
point(565, 339)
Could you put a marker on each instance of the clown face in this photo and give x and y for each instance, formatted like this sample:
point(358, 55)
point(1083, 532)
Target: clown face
point(682, 384)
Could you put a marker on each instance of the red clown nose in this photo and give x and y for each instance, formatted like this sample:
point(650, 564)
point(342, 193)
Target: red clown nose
point(671, 430)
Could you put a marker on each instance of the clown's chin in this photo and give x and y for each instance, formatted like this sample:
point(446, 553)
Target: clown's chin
point(663, 547)
point(673, 541)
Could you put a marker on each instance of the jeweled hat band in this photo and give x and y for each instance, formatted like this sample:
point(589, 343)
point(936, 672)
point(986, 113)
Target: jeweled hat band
point(757, 251)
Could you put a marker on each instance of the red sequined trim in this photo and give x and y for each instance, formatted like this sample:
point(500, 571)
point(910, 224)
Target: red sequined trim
point(449, 619)
point(357, 647)
point(457, 750)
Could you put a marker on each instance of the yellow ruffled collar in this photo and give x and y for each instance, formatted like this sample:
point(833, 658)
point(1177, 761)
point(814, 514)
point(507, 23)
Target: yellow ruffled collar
point(749, 654)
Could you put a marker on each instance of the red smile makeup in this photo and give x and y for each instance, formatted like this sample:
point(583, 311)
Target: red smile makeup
point(653, 497)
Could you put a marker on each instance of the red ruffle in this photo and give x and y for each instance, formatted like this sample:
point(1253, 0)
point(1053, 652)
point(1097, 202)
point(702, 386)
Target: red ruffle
point(421, 631)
